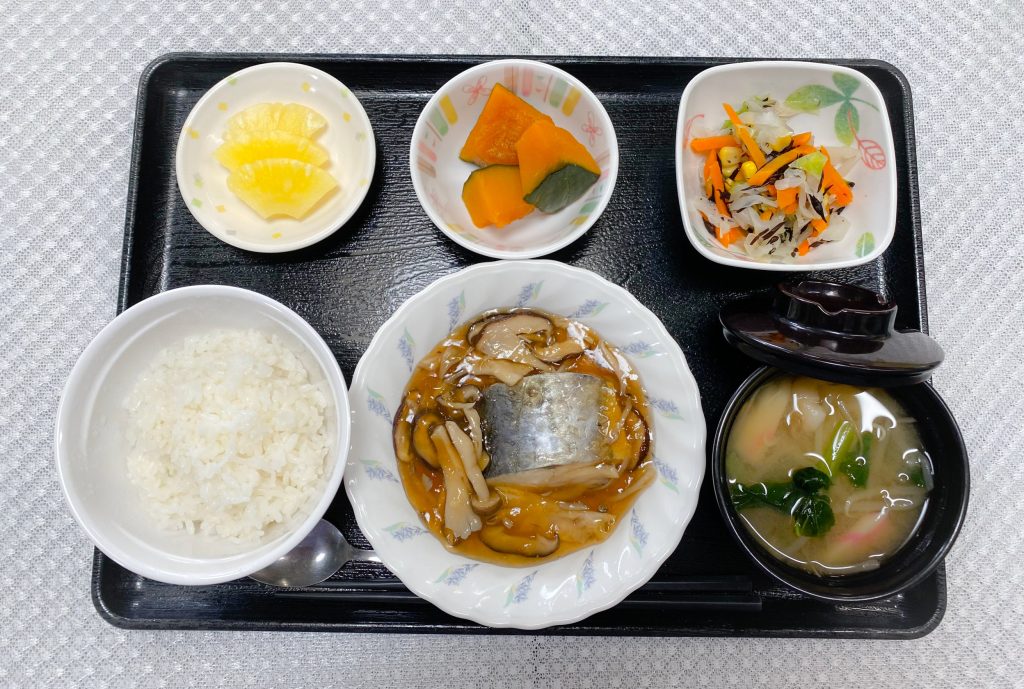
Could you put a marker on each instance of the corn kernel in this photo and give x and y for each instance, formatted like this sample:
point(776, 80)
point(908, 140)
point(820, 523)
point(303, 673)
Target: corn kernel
point(781, 143)
point(748, 169)
point(730, 156)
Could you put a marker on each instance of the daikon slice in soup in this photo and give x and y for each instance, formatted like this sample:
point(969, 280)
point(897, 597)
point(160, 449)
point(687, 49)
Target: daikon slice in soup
point(829, 478)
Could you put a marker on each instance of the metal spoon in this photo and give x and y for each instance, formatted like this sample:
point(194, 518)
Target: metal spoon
point(316, 558)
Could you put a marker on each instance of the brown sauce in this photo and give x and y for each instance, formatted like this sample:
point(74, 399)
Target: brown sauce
point(579, 515)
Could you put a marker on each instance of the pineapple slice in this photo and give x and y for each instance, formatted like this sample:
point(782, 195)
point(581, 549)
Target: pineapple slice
point(243, 147)
point(289, 117)
point(279, 186)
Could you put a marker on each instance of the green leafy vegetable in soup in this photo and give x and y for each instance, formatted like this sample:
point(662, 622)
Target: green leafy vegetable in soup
point(831, 478)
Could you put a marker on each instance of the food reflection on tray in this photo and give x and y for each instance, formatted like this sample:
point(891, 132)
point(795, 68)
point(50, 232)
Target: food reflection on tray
point(530, 443)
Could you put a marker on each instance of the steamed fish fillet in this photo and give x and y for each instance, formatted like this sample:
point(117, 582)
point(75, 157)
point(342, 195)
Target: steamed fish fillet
point(545, 420)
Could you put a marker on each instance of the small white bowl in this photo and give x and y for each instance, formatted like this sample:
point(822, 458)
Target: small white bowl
point(582, 583)
point(348, 138)
point(442, 128)
point(91, 448)
point(872, 215)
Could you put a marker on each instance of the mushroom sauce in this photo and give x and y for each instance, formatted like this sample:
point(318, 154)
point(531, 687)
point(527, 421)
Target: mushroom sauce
point(514, 473)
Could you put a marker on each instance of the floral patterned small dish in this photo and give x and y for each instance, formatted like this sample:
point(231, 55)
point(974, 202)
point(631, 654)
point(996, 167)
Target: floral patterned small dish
point(560, 591)
point(841, 107)
point(442, 128)
point(348, 139)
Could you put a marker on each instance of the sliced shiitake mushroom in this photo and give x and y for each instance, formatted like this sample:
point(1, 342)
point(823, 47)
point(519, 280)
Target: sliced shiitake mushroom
point(421, 441)
point(558, 351)
point(499, 539)
point(508, 372)
point(503, 338)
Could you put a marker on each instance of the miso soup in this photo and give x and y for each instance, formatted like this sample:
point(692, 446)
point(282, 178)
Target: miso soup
point(832, 479)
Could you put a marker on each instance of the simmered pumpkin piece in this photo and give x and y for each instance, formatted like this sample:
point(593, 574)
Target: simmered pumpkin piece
point(494, 196)
point(504, 119)
point(555, 168)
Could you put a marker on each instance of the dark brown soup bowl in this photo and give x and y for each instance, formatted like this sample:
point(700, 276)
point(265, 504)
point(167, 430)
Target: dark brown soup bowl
point(935, 534)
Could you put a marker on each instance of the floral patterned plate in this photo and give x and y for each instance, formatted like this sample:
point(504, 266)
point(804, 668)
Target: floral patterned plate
point(840, 106)
point(442, 128)
point(564, 590)
point(348, 138)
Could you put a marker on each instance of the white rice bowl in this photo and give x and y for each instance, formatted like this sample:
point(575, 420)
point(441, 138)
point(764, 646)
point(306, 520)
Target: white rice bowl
point(227, 435)
point(247, 453)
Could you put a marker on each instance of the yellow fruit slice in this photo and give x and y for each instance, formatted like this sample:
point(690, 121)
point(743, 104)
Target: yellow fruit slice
point(289, 117)
point(244, 147)
point(278, 186)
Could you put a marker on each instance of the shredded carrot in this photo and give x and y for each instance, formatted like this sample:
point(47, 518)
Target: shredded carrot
point(802, 139)
point(776, 164)
point(832, 181)
point(708, 164)
point(753, 150)
point(819, 226)
point(713, 171)
point(772, 191)
point(787, 199)
point(720, 204)
point(710, 142)
point(733, 235)
point(767, 215)
point(804, 247)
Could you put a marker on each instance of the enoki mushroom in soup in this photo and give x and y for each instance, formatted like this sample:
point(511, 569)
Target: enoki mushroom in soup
point(523, 435)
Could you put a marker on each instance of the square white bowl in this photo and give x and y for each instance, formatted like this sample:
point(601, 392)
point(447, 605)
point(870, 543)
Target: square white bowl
point(851, 112)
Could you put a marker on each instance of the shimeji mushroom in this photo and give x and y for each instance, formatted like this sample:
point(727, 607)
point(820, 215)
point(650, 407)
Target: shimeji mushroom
point(459, 517)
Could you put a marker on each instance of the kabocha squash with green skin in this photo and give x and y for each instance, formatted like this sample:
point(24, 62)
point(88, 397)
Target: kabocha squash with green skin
point(493, 138)
point(494, 196)
point(554, 167)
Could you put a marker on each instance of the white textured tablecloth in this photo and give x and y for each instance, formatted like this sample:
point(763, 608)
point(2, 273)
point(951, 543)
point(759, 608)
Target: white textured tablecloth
point(68, 79)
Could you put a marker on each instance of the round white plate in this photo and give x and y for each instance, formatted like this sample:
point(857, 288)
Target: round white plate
point(564, 590)
point(348, 138)
point(438, 173)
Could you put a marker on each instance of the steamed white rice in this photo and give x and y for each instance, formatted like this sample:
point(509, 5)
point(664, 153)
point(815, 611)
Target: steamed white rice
point(227, 435)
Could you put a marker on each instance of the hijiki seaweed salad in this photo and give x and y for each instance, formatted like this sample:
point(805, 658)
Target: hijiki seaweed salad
point(769, 192)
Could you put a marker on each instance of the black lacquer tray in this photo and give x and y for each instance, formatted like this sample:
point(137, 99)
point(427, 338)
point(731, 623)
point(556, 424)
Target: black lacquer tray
point(348, 285)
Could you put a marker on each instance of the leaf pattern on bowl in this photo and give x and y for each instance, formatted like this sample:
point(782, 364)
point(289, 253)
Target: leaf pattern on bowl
point(375, 403)
point(403, 531)
point(377, 471)
point(638, 535)
point(666, 408)
point(521, 591)
point(405, 347)
point(640, 349)
point(667, 475)
point(453, 576)
point(591, 307)
point(865, 244)
point(585, 578)
point(814, 97)
point(529, 292)
point(456, 307)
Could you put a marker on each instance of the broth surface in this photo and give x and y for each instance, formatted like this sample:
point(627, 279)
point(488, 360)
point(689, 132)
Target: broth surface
point(878, 473)
point(570, 514)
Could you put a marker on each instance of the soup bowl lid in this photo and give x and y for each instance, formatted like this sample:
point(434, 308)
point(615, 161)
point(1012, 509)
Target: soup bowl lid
point(832, 331)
